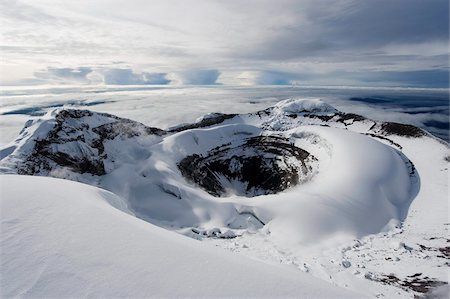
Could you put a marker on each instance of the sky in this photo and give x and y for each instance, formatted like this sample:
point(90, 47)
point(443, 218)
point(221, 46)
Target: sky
point(232, 42)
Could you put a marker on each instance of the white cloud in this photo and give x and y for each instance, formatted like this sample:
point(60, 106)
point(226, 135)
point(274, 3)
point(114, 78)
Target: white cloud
point(65, 75)
point(195, 77)
point(269, 38)
point(128, 77)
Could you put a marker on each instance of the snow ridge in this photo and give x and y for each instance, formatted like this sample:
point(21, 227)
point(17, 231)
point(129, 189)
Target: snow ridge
point(301, 175)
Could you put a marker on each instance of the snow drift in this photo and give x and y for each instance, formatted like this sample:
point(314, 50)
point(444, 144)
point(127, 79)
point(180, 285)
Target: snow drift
point(64, 239)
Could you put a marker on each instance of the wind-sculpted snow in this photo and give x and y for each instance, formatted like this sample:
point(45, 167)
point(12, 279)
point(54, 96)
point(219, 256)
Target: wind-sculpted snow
point(62, 239)
point(310, 183)
point(362, 187)
point(306, 105)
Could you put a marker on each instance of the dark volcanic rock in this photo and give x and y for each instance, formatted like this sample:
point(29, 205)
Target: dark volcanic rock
point(350, 116)
point(77, 142)
point(220, 118)
point(392, 128)
point(337, 117)
point(323, 118)
point(414, 282)
point(261, 165)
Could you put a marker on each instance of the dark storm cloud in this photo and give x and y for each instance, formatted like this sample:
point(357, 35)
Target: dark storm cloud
point(423, 78)
point(377, 23)
point(331, 42)
point(330, 28)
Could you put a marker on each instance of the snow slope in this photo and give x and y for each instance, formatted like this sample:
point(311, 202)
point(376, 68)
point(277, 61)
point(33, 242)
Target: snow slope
point(65, 239)
point(368, 208)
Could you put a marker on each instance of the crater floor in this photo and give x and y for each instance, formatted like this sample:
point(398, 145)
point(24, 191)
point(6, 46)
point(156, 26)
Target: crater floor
point(260, 165)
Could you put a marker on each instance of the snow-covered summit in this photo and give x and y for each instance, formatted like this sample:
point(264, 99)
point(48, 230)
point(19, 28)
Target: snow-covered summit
point(166, 176)
point(298, 177)
point(304, 105)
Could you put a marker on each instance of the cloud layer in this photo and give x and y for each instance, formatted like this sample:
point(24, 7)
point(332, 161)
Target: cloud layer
point(402, 42)
point(128, 77)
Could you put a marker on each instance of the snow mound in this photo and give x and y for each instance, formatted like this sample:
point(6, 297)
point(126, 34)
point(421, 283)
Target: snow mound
point(361, 188)
point(77, 245)
point(292, 113)
point(304, 105)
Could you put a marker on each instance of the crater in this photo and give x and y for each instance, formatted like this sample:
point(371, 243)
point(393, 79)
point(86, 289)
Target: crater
point(258, 166)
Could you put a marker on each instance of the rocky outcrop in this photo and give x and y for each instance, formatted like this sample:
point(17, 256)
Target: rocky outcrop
point(217, 118)
point(77, 142)
point(392, 128)
point(261, 165)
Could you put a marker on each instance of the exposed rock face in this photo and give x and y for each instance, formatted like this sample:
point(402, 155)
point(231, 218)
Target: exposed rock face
point(217, 118)
point(77, 142)
point(416, 282)
point(261, 165)
point(392, 128)
point(338, 117)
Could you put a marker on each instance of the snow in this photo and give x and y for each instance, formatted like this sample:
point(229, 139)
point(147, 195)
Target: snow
point(65, 239)
point(304, 105)
point(351, 196)
point(362, 214)
point(364, 187)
